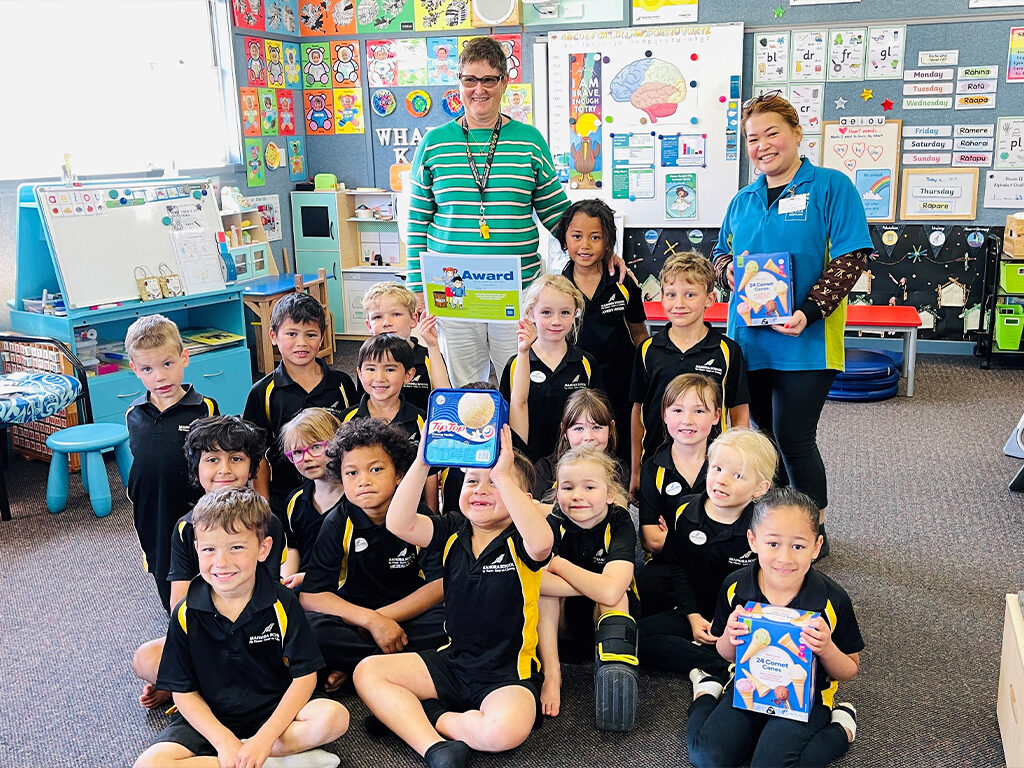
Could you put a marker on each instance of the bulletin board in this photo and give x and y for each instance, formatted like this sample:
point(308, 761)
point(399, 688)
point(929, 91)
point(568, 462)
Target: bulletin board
point(648, 119)
point(870, 156)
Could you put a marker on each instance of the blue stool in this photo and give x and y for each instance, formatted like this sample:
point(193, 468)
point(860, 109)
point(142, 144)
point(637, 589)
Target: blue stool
point(89, 440)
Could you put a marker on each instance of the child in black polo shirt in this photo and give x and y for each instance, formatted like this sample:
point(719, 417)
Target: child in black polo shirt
point(706, 541)
point(589, 584)
point(690, 407)
point(685, 345)
point(304, 440)
point(548, 366)
point(240, 657)
point(614, 321)
point(784, 533)
point(371, 591)
point(302, 380)
point(158, 423)
point(481, 689)
point(391, 308)
point(221, 452)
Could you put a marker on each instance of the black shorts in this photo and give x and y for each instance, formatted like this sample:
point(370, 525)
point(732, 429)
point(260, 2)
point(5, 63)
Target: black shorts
point(459, 694)
point(180, 731)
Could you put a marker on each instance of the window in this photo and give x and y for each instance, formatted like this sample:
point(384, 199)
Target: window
point(124, 86)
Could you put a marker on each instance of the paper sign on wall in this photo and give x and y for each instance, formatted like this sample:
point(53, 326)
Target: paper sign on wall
point(808, 60)
point(1004, 189)
point(1015, 56)
point(1009, 143)
point(944, 194)
point(885, 52)
point(771, 58)
point(869, 156)
point(807, 100)
point(846, 54)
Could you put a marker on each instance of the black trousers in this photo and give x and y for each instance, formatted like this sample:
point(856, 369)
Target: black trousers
point(343, 645)
point(666, 642)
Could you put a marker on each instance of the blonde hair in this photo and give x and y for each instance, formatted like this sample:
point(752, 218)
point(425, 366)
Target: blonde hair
point(231, 509)
point(586, 402)
point(389, 290)
point(311, 425)
point(690, 266)
point(707, 390)
point(607, 464)
point(151, 332)
point(555, 283)
point(756, 449)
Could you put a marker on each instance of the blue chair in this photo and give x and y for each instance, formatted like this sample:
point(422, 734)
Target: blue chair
point(89, 440)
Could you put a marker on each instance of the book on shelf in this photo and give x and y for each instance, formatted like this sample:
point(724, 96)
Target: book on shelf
point(198, 340)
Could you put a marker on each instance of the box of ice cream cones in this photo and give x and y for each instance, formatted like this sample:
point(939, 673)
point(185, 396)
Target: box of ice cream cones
point(464, 427)
point(774, 671)
point(764, 288)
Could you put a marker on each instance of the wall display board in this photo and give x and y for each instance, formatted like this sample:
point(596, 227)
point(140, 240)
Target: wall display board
point(870, 156)
point(631, 109)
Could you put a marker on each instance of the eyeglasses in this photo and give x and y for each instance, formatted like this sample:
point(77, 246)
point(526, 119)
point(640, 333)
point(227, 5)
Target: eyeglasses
point(766, 96)
point(487, 82)
point(314, 451)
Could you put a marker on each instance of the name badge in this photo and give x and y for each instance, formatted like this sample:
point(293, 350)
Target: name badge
point(793, 203)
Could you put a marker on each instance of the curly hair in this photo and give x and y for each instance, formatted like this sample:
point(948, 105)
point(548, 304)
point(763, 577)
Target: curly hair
point(223, 433)
point(365, 433)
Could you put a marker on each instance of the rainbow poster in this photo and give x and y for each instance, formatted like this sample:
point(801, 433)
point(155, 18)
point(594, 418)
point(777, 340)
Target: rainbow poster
point(875, 188)
point(585, 120)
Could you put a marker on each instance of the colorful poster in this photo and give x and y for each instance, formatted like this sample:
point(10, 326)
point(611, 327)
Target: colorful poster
point(846, 54)
point(249, 101)
point(663, 11)
point(255, 63)
point(1015, 57)
point(341, 17)
point(808, 101)
point(313, 18)
point(411, 55)
point(808, 60)
point(296, 158)
point(1009, 143)
point(512, 47)
point(585, 120)
point(286, 112)
point(348, 109)
point(318, 110)
point(441, 15)
point(442, 61)
point(345, 55)
point(275, 63)
point(886, 47)
point(684, 150)
point(771, 57)
point(479, 288)
point(248, 14)
point(382, 63)
point(853, 149)
point(292, 65)
point(268, 111)
point(384, 16)
point(255, 176)
point(316, 65)
point(681, 196)
point(282, 16)
point(517, 102)
point(875, 188)
point(269, 207)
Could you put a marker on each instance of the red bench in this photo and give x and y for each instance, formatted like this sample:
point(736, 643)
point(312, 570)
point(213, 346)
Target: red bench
point(902, 320)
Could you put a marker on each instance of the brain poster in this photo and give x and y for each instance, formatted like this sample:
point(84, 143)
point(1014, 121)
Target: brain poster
point(656, 81)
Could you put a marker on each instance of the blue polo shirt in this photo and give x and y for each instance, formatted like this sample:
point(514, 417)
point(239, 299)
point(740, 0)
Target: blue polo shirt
point(831, 224)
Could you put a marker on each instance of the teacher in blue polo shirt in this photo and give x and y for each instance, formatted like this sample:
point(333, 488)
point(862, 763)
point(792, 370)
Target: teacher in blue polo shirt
point(815, 214)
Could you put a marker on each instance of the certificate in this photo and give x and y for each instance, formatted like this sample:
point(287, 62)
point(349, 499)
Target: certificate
point(479, 288)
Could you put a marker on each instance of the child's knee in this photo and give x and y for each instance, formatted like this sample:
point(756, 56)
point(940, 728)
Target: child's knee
point(329, 719)
point(146, 661)
point(504, 733)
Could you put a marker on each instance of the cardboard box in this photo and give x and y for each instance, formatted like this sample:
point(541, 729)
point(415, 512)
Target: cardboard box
point(764, 288)
point(1010, 698)
point(1013, 236)
point(464, 427)
point(775, 674)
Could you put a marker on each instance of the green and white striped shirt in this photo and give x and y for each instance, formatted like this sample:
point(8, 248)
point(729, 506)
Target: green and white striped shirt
point(444, 207)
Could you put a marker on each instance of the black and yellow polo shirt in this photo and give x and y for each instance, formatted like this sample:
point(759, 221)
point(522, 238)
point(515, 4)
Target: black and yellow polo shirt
point(303, 521)
point(409, 417)
point(417, 389)
point(662, 486)
point(185, 559)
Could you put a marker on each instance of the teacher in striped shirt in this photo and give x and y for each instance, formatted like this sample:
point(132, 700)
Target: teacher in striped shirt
point(475, 185)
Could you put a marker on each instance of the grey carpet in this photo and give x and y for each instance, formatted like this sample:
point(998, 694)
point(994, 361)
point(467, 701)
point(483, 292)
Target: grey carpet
point(926, 539)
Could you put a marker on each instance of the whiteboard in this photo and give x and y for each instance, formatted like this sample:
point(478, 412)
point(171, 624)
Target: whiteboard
point(621, 98)
point(101, 232)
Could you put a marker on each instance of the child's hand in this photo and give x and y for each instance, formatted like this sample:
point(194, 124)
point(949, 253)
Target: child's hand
point(387, 634)
point(253, 753)
point(526, 335)
point(227, 754)
point(428, 331)
point(817, 635)
point(552, 565)
point(730, 273)
point(662, 525)
point(736, 627)
point(503, 467)
point(701, 629)
point(294, 581)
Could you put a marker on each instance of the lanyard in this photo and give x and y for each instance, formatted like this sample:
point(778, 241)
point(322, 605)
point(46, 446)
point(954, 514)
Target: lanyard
point(480, 177)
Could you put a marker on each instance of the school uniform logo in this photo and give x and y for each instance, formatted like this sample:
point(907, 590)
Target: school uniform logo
point(711, 366)
point(498, 565)
point(402, 560)
point(615, 305)
point(268, 635)
point(746, 559)
point(600, 556)
point(576, 383)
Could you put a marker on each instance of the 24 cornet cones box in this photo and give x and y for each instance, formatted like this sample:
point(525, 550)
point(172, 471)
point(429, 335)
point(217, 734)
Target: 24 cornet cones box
point(764, 287)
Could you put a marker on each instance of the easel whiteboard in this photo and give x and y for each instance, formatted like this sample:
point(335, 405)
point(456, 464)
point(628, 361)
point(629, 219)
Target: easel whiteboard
point(622, 98)
point(101, 232)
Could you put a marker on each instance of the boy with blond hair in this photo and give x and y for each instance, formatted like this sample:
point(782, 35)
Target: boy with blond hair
point(158, 423)
point(686, 344)
point(391, 308)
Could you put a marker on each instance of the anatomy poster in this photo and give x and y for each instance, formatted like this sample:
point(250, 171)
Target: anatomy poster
point(869, 156)
point(677, 86)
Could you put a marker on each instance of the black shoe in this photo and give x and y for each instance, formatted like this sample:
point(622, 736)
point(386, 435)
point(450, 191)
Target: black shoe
point(375, 727)
point(447, 754)
point(825, 549)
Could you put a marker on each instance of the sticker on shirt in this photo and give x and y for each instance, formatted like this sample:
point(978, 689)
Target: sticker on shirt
point(698, 537)
point(794, 207)
point(537, 376)
point(360, 545)
point(673, 488)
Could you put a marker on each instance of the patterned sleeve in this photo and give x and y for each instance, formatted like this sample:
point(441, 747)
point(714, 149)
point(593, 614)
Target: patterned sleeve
point(834, 285)
point(422, 208)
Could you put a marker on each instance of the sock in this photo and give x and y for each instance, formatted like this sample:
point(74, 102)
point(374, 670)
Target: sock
point(447, 754)
point(433, 709)
point(703, 683)
point(375, 727)
point(313, 758)
point(845, 714)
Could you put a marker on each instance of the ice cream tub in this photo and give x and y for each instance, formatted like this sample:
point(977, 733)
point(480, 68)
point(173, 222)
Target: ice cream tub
point(764, 288)
point(775, 673)
point(464, 427)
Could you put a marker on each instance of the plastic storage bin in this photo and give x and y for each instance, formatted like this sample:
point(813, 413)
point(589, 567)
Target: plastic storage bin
point(1009, 325)
point(1011, 277)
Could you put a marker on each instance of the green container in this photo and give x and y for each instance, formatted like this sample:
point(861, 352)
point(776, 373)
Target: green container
point(1009, 325)
point(1011, 277)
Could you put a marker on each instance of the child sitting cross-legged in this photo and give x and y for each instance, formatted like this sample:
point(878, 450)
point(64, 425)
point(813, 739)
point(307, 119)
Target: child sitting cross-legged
point(240, 657)
point(481, 690)
point(370, 591)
